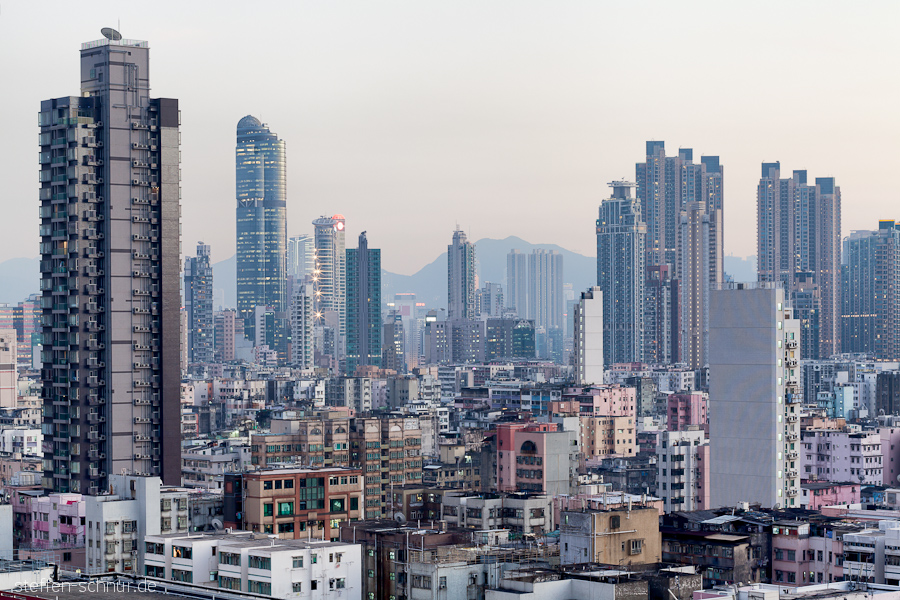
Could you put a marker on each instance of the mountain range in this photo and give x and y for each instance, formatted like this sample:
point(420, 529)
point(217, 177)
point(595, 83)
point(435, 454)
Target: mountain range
point(20, 276)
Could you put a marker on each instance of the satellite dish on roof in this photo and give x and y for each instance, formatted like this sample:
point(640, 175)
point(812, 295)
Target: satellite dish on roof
point(111, 34)
point(400, 518)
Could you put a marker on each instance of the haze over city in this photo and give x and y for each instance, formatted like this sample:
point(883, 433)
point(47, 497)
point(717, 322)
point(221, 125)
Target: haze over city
point(508, 118)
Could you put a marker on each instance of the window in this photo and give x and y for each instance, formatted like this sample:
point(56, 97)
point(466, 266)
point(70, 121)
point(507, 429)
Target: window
point(337, 584)
point(288, 484)
point(278, 484)
point(314, 558)
point(285, 509)
point(267, 510)
point(314, 584)
point(260, 562)
point(371, 573)
point(259, 587)
point(421, 581)
point(298, 562)
point(637, 546)
point(229, 583)
point(285, 528)
point(297, 587)
point(267, 485)
point(791, 555)
point(229, 558)
point(337, 505)
point(154, 571)
point(185, 576)
point(181, 552)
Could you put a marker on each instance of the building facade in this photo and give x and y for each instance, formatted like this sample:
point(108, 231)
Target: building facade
point(261, 192)
point(754, 384)
point(620, 275)
point(111, 274)
point(198, 304)
point(462, 281)
point(363, 306)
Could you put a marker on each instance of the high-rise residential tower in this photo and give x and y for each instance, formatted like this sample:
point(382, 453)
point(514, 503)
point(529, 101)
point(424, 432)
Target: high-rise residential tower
point(301, 252)
point(871, 292)
point(756, 399)
point(363, 305)
point(110, 275)
point(261, 191)
point(517, 282)
point(461, 279)
point(620, 274)
point(198, 304)
point(329, 281)
point(799, 232)
point(302, 323)
point(545, 289)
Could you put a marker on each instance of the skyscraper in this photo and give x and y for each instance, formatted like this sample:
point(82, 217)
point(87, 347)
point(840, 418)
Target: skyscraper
point(301, 251)
point(489, 300)
point(261, 191)
point(545, 289)
point(110, 275)
point(697, 229)
point(302, 323)
point(620, 274)
point(754, 384)
point(363, 305)
point(517, 283)
point(328, 283)
point(662, 317)
point(198, 303)
point(871, 292)
point(461, 279)
point(799, 231)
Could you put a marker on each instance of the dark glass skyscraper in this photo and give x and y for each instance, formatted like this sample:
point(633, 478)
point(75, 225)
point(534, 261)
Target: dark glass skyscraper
point(261, 191)
point(363, 306)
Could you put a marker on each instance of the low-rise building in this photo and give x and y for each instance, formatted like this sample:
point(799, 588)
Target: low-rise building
point(618, 537)
point(245, 562)
point(519, 513)
point(293, 503)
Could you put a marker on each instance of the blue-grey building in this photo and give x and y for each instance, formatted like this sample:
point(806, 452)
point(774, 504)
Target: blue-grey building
point(198, 304)
point(363, 305)
point(620, 275)
point(261, 192)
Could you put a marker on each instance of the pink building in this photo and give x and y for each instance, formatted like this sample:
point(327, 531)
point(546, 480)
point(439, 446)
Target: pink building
point(687, 409)
point(804, 554)
point(604, 400)
point(57, 521)
point(830, 455)
point(816, 494)
point(536, 457)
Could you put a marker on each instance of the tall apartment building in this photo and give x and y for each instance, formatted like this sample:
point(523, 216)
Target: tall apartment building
point(799, 231)
point(392, 349)
point(489, 301)
point(261, 192)
point(682, 465)
point(546, 304)
point(620, 274)
point(302, 326)
point(227, 325)
point(363, 305)
point(110, 275)
point(461, 278)
point(662, 317)
point(698, 229)
point(329, 277)
point(870, 321)
point(589, 328)
point(301, 251)
point(754, 397)
point(388, 451)
point(198, 304)
point(517, 282)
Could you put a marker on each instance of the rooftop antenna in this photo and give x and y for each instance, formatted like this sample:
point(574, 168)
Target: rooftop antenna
point(111, 34)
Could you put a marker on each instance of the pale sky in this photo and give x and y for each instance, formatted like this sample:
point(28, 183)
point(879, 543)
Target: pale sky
point(507, 117)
